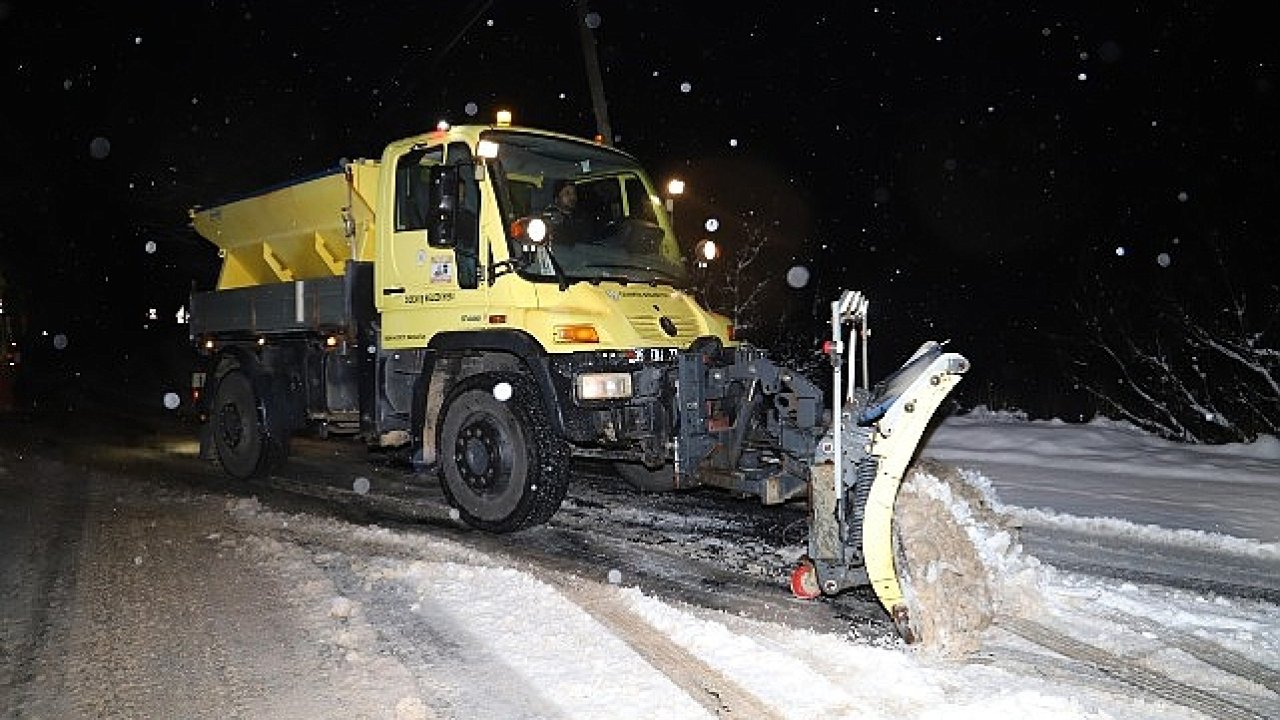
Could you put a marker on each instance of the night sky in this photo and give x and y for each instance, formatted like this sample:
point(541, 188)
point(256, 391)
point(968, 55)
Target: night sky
point(987, 173)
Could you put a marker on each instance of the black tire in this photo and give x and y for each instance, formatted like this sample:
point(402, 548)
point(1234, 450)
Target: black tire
point(502, 465)
point(646, 480)
point(244, 448)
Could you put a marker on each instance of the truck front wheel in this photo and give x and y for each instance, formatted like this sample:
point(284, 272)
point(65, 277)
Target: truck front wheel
point(244, 449)
point(503, 466)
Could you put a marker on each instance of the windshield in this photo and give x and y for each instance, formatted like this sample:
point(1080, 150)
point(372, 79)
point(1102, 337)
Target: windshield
point(603, 217)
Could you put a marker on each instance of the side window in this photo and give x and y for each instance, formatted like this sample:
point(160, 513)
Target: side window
point(413, 183)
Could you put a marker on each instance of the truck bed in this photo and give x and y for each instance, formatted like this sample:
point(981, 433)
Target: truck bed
point(317, 304)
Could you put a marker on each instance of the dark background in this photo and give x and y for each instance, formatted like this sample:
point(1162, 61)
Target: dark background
point(986, 172)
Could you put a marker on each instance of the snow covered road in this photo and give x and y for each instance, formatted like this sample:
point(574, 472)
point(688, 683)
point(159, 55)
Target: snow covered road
point(142, 585)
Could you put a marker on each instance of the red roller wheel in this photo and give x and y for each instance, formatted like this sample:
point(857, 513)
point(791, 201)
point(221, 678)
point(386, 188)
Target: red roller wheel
point(804, 581)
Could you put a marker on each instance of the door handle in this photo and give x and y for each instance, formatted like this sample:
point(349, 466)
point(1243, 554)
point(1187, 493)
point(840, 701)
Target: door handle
point(392, 291)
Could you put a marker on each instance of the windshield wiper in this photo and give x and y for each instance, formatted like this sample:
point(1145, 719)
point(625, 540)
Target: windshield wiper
point(561, 279)
point(620, 279)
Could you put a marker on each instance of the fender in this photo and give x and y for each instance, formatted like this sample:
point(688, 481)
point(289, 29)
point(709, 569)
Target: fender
point(517, 343)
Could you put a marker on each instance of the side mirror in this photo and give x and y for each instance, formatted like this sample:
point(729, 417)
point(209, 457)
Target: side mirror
point(443, 188)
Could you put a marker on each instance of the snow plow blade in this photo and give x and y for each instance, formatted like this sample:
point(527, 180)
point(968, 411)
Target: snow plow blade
point(876, 436)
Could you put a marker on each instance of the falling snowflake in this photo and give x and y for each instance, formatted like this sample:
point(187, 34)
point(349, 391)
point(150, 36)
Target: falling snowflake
point(99, 148)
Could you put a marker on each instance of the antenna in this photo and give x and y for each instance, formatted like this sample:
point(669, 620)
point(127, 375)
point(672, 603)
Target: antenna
point(593, 75)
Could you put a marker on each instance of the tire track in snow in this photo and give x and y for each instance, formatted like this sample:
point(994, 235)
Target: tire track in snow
point(1222, 658)
point(1129, 672)
point(707, 686)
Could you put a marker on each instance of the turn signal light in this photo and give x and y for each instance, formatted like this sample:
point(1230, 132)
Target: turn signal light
point(576, 334)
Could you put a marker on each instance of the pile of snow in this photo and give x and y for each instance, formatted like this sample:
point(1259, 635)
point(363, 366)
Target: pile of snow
point(1112, 469)
point(959, 558)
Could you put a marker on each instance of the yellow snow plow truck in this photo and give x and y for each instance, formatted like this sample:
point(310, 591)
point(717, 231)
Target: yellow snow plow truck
point(439, 300)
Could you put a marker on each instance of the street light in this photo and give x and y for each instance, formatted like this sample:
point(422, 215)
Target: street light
point(674, 187)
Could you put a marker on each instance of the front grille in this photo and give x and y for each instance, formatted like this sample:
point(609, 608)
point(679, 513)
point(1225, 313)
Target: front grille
point(648, 328)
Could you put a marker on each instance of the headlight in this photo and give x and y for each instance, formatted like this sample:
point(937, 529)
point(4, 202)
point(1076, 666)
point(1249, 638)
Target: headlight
point(707, 250)
point(529, 230)
point(536, 230)
point(602, 386)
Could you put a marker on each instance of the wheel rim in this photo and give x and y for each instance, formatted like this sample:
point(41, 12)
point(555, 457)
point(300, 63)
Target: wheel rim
point(231, 425)
point(482, 455)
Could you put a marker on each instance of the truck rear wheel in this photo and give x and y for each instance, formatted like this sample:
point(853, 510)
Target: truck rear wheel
point(244, 449)
point(503, 466)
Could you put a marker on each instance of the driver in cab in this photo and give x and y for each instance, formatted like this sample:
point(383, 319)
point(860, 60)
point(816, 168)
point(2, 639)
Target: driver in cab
point(569, 225)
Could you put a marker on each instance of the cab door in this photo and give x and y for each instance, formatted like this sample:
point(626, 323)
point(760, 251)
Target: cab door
point(430, 274)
